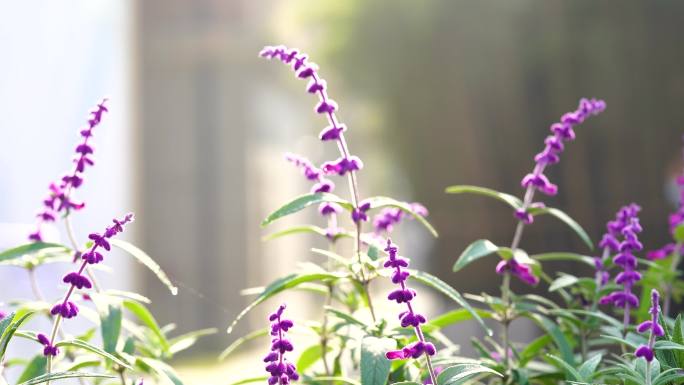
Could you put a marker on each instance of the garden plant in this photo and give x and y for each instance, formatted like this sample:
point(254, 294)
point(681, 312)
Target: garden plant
point(614, 326)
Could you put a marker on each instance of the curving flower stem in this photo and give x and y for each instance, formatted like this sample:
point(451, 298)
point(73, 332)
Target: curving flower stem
point(353, 189)
point(77, 252)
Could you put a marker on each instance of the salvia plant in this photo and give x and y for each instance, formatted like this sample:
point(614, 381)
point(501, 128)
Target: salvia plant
point(606, 327)
point(374, 326)
point(119, 341)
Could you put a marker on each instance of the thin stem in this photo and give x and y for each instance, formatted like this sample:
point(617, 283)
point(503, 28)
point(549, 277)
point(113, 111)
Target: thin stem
point(77, 251)
point(328, 302)
point(35, 286)
point(625, 320)
point(668, 289)
point(122, 377)
point(648, 373)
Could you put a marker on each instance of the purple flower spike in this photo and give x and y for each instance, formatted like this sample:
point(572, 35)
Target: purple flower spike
point(341, 166)
point(408, 318)
point(626, 227)
point(561, 132)
point(359, 213)
point(281, 371)
point(59, 198)
point(652, 326)
point(68, 309)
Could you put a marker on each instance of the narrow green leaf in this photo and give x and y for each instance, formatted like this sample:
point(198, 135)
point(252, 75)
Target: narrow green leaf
point(476, 250)
point(304, 229)
point(556, 334)
point(93, 349)
point(406, 383)
point(164, 371)
point(281, 284)
point(453, 317)
point(588, 368)
point(446, 289)
point(250, 380)
point(335, 379)
point(571, 371)
point(10, 330)
point(565, 218)
point(510, 200)
point(377, 202)
point(185, 341)
point(143, 314)
point(242, 340)
point(302, 202)
point(375, 367)
point(6, 322)
point(64, 375)
point(562, 256)
point(563, 281)
point(28, 248)
point(147, 261)
point(35, 368)
point(668, 345)
point(347, 317)
point(458, 374)
point(110, 326)
point(678, 337)
point(309, 356)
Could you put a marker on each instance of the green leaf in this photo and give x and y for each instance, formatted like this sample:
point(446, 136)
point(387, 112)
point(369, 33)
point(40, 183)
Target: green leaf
point(9, 331)
point(309, 357)
point(35, 368)
point(250, 380)
point(565, 218)
point(444, 288)
point(572, 372)
point(164, 371)
point(93, 349)
point(28, 248)
point(185, 341)
point(453, 317)
point(678, 337)
point(110, 326)
point(668, 345)
point(281, 284)
point(563, 281)
point(240, 341)
point(63, 375)
point(6, 322)
point(335, 379)
point(375, 367)
point(476, 250)
point(458, 374)
point(588, 368)
point(304, 229)
point(562, 256)
point(146, 260)
point(556, 335)
point(347, 317)
point(302, 202)
point(377, 202)
point(143, 314)
point(532, 349)
point(406, 383)
point(510, 200)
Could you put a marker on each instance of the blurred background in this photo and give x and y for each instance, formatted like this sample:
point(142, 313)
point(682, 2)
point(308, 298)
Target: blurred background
point(434, 93)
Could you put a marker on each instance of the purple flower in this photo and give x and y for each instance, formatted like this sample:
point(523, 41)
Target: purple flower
point(76, 279)
point(2, 315)
point(59, 198)
point(388, 217)
point(281, 371)
point(341, 166)
point(359, 213)
point(560, 132)
point(403, 294)
point(652, 326)
point(522, 271)
point(626, 225)
point(49, 349)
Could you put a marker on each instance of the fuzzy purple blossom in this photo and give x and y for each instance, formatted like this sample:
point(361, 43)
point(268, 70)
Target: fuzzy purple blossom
point(522, 271)
point(59, 198)
point(652, 326)
point(388, 217)
point(281, 371)
point(48, 348)
point(626, 225)
point(561, 132)
point(408, 318)
point(610, 242)
point(77, 280)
